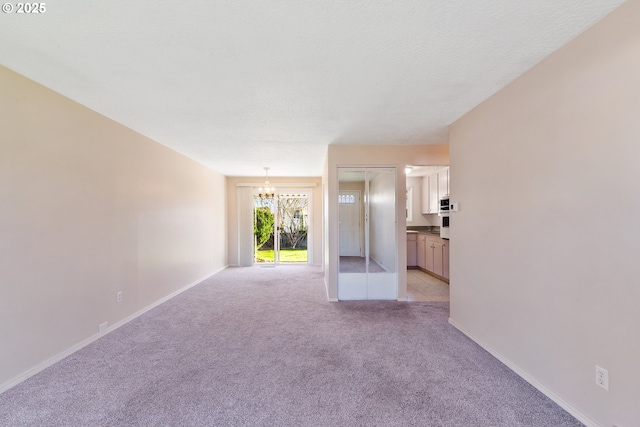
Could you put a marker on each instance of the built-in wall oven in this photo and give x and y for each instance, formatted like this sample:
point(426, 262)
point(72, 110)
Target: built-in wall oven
point(443, 212)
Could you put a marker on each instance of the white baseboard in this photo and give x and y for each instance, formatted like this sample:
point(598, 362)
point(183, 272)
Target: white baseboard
point(53, 360)
point(580, 416)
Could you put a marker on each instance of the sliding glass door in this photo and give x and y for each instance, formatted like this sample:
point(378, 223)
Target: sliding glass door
point(367, 234)
point(281, 224)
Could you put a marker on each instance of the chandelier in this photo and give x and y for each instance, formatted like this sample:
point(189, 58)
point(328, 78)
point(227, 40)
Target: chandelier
point(267, 190)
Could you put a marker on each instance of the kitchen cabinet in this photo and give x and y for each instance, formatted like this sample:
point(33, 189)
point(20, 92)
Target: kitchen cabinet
point(412, 249)
point(436, 249)
point(433, 255)
point(443, 183)
point(430, 196)
point(429, 261)
point(445, 259)
point(434, 200)
point(424, 195)
point(426, 206)
point(422, 251)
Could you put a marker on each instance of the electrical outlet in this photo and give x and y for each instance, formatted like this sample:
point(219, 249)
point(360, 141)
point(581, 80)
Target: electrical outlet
point(103, 326)
point(602, 377)
point(119, 297)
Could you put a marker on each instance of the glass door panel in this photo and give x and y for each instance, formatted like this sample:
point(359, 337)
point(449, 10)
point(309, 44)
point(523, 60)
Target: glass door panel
point(264, 234)
point(292, 228)
point(280, 228)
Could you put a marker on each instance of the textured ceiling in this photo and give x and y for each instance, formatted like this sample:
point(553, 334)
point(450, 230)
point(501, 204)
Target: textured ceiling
point(238, 85)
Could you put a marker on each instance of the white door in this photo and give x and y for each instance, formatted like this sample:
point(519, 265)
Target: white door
point(349, 208)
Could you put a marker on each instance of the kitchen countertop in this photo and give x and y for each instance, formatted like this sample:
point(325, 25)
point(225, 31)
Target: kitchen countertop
point(429, 231)
point(435, 231)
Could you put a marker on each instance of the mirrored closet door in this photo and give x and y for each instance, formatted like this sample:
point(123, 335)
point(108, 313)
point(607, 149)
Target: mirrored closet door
point(367, 234)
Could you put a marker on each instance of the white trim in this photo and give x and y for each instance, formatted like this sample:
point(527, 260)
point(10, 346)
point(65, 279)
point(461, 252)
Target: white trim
point(580, 416)
point(55, 359)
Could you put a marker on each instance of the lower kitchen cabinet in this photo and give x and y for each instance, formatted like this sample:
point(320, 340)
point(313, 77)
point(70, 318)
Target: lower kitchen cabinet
point(412, 250)
point(436, 247)
point(433, 255)
point(445, 259)
point(430, 263)
point(422, 251)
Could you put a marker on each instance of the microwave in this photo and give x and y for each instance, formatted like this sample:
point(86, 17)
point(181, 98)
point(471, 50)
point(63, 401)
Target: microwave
point(443, 212)
point(444, 206)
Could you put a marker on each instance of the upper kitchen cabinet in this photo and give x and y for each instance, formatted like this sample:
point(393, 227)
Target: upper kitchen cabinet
point(429, 194)
point(434, 201)
point(433, 186)
point(443, 182)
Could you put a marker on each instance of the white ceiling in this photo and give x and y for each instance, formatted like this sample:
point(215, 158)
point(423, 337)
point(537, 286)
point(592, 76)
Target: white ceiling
point(243, 84)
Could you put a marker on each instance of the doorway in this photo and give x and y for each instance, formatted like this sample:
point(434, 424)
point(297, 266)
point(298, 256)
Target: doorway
point(280, 228)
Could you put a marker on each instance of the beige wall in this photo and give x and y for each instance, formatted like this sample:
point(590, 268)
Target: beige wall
point(544, 252)
point(313, 184)
point(88, 208)
point(372, 155)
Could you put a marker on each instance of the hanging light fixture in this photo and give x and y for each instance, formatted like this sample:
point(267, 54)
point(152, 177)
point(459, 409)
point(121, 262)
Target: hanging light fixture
point(267, 190)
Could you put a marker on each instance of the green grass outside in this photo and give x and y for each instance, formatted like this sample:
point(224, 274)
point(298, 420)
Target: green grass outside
point(286, 255)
